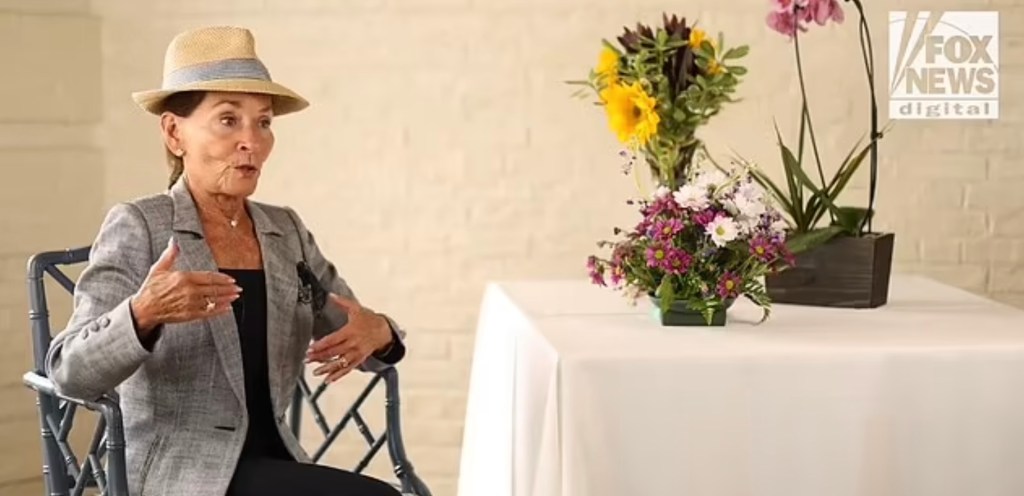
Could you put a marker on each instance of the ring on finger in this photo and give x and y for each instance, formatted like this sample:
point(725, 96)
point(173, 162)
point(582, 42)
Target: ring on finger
point(210, 304)
point(342, 360)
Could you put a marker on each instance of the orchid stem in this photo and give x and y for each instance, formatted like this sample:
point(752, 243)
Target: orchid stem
point(806, 114)
point(869, 66)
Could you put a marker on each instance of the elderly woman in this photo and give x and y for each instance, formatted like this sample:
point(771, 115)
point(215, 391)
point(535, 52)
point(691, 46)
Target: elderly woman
point(199, 306)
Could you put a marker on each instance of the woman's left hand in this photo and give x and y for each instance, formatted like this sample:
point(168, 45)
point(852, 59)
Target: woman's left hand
point(350, 345)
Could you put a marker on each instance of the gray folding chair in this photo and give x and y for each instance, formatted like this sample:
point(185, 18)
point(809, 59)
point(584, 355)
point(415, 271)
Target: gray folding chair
point(103, 466)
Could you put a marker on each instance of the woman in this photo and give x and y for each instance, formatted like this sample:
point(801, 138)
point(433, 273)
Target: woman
point(196, 304)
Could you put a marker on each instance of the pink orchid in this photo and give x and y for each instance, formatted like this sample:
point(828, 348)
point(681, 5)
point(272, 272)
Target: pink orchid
point(820, 11)
point(788, 5)
point(787, 16)
point(785, 23)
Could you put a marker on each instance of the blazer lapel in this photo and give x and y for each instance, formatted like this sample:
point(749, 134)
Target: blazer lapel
point(279, 265)
point(196, 256)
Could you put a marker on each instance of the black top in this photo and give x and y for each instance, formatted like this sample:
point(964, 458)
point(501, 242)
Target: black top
point(262, 439)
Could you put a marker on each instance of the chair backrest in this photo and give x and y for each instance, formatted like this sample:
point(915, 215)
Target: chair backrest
point(103, 466)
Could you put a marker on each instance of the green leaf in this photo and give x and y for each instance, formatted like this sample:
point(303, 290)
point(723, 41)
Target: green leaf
point(845, 173)
point(849, 219)
point(611, 47)
point(759, 297)
point(803, 132)
point(790, 164)
point(842, 178)
point(737, 70)
point(667, 293)
point(737, 52)
point(813, 238)
point(801, 176)
point(709, 314)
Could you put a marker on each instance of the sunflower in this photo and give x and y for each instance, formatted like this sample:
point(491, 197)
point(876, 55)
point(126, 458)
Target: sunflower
point(631, 113)
point(608, 66)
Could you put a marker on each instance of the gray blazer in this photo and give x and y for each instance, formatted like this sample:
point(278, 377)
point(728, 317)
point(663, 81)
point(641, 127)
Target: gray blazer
point(183, 400)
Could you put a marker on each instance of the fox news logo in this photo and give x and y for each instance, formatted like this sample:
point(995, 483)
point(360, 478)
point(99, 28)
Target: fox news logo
point(944, 65)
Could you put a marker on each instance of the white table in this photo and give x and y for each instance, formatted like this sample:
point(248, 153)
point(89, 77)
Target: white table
point(575, 393)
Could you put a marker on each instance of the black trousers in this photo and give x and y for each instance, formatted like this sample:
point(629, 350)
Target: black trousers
point(276, 477)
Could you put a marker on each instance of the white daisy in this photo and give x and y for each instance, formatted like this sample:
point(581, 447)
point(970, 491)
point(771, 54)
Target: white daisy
point(749, 208)
point(691, 197)
point(722, 230)
point(710, 179)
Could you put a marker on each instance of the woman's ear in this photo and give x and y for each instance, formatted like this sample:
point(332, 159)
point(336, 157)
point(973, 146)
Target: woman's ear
point(171, 133)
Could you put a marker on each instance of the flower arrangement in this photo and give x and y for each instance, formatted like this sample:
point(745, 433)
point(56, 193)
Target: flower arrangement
point(703, 244)
point(805, 201)
point(658, 86)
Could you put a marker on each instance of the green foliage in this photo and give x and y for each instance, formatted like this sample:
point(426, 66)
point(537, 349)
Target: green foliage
point(691, 78)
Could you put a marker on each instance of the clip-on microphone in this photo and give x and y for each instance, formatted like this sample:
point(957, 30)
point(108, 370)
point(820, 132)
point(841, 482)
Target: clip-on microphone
point(317, 295)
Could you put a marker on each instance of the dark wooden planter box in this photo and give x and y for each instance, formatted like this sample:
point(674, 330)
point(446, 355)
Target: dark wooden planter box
point(846, 272)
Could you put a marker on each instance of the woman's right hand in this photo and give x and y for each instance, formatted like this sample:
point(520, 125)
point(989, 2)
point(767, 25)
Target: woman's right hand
point(171, 296)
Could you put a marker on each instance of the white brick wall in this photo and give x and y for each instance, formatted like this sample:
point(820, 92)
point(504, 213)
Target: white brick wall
point(442, 150)
point(50, 194)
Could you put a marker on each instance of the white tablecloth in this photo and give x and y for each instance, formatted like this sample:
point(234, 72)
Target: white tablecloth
point(574, 392)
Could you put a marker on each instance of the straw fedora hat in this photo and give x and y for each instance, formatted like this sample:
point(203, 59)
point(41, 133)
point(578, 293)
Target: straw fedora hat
point(217, 59)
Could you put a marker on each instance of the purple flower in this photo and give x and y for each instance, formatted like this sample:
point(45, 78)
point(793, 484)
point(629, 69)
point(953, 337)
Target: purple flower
point(763, 248)
point(643, 227)
point(665, 229)
point(656, 255)
point(678, 262)
point(729, 285)
point(662, 205)
point(596, 271)
point(704, 217)
point(618, 274)
point(618, 254)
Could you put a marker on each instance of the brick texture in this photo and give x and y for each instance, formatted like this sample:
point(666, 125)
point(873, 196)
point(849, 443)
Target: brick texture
point(443, 150)
point(51, 192)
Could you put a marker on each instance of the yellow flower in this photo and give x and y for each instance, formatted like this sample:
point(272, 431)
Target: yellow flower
point(631, 113)
point(608, 66)
point(714, 67)
point(697, 36)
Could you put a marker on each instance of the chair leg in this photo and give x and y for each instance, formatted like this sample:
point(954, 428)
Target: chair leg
point(117, 467)
point(396, 446)
point(55, 474)
point(296, 412)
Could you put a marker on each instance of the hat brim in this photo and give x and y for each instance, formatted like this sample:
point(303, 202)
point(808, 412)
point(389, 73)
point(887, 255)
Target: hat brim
point(285, 101)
